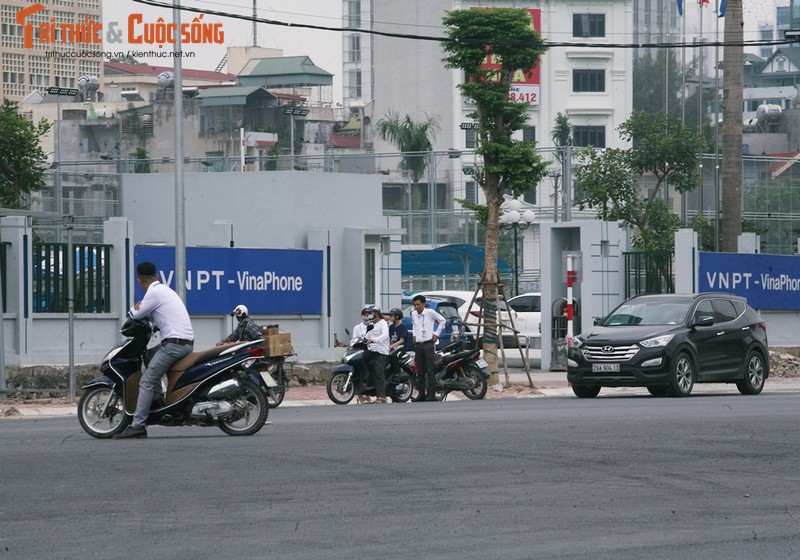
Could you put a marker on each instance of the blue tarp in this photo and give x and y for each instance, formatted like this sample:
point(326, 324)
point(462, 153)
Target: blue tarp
point(449, 260)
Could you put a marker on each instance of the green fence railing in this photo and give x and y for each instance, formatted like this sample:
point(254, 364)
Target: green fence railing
point(92, 281)
point(648, 273)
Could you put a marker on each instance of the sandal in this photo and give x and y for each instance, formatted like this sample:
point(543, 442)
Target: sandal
point(380, 400)
point(363, 399)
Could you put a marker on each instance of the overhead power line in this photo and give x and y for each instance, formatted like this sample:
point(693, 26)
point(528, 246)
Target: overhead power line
point(416, 37)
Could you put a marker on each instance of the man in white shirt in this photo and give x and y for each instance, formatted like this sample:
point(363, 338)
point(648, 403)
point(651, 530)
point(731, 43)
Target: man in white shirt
point(427, 326)
point(378, 352)
point(169, 314)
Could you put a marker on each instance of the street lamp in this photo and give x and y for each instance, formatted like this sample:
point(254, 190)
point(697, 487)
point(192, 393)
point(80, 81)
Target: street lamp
point(58, 92)
point(512, 219)
point(294, 112)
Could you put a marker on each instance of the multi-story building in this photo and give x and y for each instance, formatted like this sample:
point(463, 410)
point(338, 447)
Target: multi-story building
point(31, 62)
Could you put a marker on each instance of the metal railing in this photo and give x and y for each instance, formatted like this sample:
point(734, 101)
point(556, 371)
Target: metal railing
point(648, 273)
point(92, 279)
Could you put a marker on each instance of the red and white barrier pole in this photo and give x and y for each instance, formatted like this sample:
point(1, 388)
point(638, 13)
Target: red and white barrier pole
point(570, 279)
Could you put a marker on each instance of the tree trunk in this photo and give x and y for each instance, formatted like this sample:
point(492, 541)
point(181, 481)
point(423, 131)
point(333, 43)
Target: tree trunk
point(732, 86)
point(490, 275)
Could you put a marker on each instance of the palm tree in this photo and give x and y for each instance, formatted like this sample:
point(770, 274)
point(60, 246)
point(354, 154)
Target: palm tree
point(414, 140)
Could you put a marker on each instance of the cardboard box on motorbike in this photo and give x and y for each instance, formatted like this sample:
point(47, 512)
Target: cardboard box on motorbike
point(276, 342)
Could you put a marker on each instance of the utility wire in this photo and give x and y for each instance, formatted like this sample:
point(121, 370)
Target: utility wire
point(415, 37)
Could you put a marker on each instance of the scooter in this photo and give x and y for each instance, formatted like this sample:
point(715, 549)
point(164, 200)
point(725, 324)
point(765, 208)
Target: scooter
point(343, 379)
point(458, 367)
point(206, 388)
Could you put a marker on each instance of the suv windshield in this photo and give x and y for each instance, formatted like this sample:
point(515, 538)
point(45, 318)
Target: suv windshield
point(648, 313)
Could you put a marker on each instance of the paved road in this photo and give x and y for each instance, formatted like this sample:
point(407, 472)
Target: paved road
point(623, 477)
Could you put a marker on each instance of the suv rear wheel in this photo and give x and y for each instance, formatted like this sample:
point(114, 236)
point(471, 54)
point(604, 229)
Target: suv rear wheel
point(753, 381)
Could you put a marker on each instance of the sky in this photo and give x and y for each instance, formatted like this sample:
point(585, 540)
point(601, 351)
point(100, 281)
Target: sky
point(324, 47)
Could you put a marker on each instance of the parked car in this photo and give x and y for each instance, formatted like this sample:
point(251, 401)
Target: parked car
point(445, 308)
point(528, 307)
point(669, 342)
point(472, 313)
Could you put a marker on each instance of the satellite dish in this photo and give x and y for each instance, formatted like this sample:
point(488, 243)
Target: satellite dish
point(89, 83)
point(165, 79)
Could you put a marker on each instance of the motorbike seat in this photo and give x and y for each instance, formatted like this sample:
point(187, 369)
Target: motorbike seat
point(193, 357)
point(447, 358)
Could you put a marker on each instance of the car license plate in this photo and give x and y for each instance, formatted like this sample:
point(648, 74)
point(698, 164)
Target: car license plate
point(481, 363)
point(603, 368)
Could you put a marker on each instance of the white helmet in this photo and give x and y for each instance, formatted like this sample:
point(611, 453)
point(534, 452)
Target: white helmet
point(240, 311)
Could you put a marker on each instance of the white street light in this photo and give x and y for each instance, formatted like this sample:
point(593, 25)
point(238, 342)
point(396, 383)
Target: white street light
point(512, 219)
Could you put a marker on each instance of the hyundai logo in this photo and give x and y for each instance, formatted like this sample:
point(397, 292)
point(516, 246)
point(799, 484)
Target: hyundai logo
point(608, 349)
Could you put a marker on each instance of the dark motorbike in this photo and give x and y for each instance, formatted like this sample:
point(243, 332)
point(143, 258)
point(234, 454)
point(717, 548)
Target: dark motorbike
point(343, 380)
point(276, 380)
point(206, 388)
point(458, 367)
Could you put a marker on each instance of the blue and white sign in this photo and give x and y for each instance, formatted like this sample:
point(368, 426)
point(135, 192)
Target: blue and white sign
point(767, 281)
point(267, 281)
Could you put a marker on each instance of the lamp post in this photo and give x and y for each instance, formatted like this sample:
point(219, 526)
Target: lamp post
point(294, 112)
point(512, 219)
point(58, 92)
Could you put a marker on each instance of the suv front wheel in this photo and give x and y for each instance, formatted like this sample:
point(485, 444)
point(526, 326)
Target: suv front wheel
point(682, 376)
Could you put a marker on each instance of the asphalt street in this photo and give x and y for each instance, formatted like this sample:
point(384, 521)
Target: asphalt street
point(713, 476)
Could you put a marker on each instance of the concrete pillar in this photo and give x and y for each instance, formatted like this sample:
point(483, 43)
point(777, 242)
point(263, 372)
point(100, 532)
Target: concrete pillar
point(118, 232)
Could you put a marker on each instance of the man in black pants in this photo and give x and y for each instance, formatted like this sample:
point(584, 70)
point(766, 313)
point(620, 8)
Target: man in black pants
point(427, 326)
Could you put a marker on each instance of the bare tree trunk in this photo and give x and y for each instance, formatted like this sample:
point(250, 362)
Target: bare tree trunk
point(491, 276)
point(733, 83)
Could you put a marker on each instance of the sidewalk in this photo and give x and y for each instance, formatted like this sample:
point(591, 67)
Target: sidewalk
point(545, 384)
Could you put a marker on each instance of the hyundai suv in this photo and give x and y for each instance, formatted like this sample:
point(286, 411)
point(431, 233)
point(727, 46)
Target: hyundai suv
point(669, 342)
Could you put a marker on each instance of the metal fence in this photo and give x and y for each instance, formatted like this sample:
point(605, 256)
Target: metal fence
point(4, 275)
point(92, 280)
point(648, 273)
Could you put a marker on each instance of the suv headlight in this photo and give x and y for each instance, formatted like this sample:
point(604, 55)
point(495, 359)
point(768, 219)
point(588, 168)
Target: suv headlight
point(657, 341)
point(577, 342)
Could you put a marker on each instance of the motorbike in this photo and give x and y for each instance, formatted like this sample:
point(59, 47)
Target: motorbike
point(458, 367)
point(207, 388)
point(276, 380)
point(343, 379)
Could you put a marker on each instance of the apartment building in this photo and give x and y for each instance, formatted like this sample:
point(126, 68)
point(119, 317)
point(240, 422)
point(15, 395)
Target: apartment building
point(55, 46)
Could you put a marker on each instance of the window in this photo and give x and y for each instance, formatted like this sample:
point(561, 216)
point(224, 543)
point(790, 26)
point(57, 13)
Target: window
point(529, 196)
point(589, 136)
point(469, 138)
point(529, 134)
point(725, 310)
point(588, 25)
point(471, 192)
point(369, 275)
point(354, 48)
point(588, 80)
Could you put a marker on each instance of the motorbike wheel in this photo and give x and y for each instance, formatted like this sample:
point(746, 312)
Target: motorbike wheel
point(253, 405)
point(481, 386)
point(339, 389)
point(405, 381)
point(280, 390)
point(90, 407)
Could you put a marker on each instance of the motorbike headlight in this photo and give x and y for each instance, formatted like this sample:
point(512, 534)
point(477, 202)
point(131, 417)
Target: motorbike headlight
point(656, 342)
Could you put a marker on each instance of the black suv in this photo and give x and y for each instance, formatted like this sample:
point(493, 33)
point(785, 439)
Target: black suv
point(669, 342)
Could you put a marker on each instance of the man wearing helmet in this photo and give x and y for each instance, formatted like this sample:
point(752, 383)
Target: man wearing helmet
point(245, 331)
point(378, 352)
point(398, 333)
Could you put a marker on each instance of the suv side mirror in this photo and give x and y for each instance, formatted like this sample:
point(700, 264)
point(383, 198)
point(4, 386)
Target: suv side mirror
point(597, 320)
point(704, 321)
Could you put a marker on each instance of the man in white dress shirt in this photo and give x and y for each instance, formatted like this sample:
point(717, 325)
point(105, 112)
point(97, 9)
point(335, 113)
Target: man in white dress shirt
point(167, 311)
point(427, 326)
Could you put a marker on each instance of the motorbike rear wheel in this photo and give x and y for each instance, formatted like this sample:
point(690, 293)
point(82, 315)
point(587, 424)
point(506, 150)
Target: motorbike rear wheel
point(405, 381)
point(340, 390)
point(89, 413)
point(253, 404)
point(481, 386)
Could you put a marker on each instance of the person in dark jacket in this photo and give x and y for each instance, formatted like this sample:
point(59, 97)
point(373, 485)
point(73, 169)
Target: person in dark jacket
point(245, 331)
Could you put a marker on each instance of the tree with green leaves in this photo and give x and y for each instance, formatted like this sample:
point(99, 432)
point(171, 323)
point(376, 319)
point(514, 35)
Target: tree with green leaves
point(507, 36)
point(22, 160)
point(415, 141)
point(662, 148)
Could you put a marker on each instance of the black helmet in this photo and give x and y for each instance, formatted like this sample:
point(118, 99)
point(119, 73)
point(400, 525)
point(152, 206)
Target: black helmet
point(396, 312)
point(136, 327)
